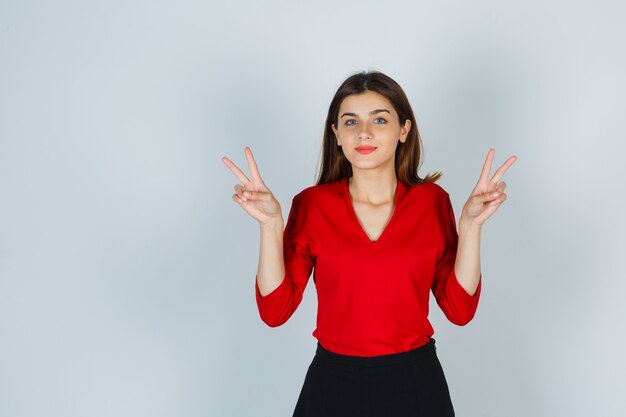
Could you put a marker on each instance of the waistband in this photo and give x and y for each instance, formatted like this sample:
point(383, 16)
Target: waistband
point(376, 361)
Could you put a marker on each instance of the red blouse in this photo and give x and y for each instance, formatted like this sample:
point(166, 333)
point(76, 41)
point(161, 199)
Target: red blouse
point(372, 295)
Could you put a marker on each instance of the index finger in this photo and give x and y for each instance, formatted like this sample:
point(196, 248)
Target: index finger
point(235, 169)
point(487, 166)
point(254, 170)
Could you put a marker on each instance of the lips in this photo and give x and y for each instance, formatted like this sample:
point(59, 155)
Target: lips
point(365, 149)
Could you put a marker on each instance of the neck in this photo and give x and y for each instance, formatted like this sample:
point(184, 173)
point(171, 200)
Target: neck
point(373, 187)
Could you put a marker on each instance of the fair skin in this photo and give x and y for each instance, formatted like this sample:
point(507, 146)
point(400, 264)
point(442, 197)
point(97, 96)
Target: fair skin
point(368, 119)
point(257, 200)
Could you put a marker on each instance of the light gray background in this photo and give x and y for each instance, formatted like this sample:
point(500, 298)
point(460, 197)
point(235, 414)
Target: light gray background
point(127, 272)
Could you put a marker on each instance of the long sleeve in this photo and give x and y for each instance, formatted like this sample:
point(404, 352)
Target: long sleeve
point(279, 305)
point(458, 306)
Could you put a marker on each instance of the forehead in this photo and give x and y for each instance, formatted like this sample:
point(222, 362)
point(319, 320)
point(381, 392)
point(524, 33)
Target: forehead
point(365, 102)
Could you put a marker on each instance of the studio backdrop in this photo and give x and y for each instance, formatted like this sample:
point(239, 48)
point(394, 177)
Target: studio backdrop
point(127, 271)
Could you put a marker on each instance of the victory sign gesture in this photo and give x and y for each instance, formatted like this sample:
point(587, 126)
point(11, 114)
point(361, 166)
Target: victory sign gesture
point(253, 195)
point(488, 194)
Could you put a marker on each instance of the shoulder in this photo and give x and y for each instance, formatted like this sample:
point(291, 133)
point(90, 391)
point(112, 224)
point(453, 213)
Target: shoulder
point(316, 194)
point(428, 190)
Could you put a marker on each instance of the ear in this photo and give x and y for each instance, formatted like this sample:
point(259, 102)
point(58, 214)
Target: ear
point(335, 132)
point(404, 131)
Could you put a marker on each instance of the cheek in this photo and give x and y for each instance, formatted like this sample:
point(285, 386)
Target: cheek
point(345, 133)
point(388, 133)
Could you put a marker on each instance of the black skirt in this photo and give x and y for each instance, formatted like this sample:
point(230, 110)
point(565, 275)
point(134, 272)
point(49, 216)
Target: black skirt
point(400, 384)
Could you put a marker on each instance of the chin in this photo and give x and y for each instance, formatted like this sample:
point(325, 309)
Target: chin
point(368, 164)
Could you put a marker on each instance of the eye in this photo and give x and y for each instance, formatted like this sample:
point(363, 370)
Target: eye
point(380, 120)
point(350, 122)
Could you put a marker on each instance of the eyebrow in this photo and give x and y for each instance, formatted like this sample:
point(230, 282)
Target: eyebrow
point(372, 112)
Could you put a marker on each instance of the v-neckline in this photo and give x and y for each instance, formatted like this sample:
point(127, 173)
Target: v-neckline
point(400, 188)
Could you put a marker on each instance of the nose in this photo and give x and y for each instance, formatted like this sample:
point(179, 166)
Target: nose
point(364, 132)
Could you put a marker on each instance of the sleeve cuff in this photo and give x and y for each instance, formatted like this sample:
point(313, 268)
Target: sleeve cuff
point(272, 305)
point(461, 294)
point(275, 293)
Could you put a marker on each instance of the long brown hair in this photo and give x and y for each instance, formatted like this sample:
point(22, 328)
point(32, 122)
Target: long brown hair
point(335, 166)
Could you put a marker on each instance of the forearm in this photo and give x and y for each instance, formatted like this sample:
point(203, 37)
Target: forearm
point(271, 268)
point(467, 263)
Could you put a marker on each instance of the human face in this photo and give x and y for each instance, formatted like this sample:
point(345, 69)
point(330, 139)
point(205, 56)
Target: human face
point(368, 131)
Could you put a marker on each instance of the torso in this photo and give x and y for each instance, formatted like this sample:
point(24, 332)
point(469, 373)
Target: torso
point(373, 297)
point(373, 219)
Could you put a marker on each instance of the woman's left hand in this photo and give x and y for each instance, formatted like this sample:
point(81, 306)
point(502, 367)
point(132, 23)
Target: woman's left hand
point(488, 193)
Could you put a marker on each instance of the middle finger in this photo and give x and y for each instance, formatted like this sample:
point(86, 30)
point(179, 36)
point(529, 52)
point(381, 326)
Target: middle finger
point(500, 172)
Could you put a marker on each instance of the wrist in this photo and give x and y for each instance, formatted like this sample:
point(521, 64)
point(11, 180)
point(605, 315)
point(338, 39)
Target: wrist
point(467, 225)
point(273, 224)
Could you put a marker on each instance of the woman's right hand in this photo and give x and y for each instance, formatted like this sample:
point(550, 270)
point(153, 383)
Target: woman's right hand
point(254, 196)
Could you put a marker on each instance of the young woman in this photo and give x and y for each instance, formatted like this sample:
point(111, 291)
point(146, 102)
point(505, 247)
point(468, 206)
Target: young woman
point(379, 238)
